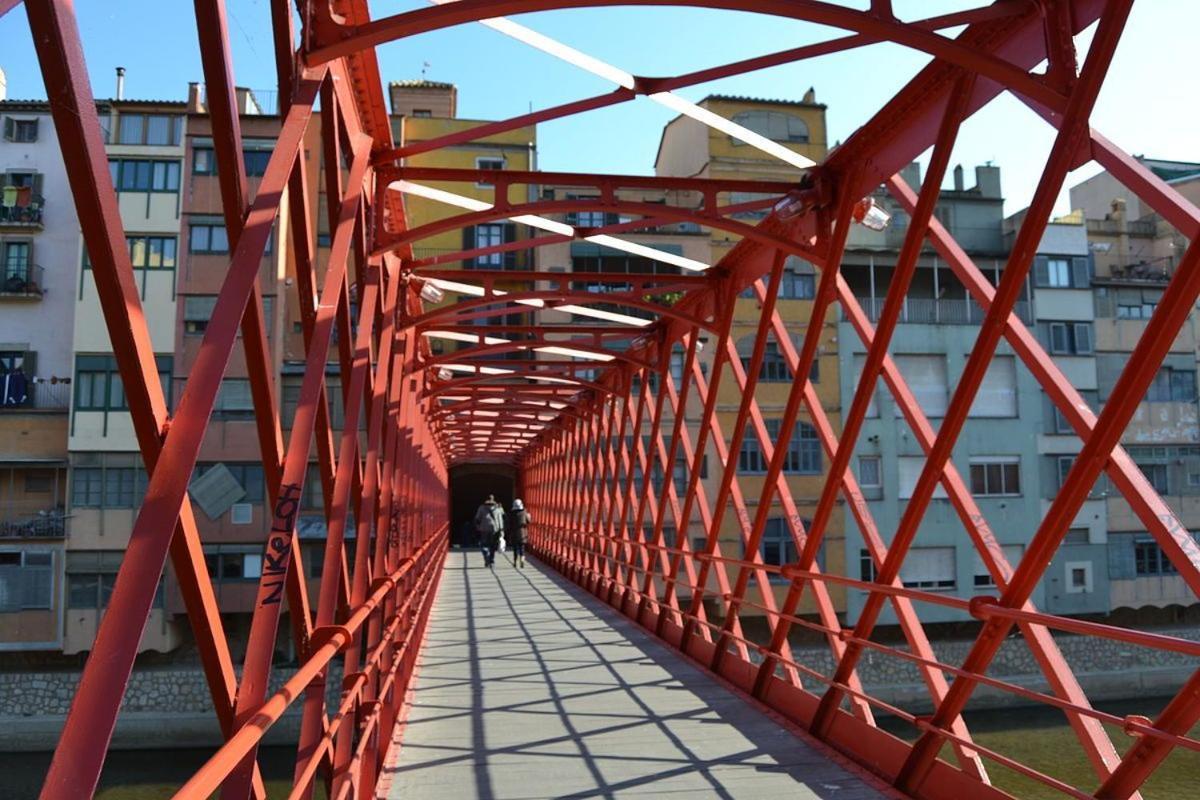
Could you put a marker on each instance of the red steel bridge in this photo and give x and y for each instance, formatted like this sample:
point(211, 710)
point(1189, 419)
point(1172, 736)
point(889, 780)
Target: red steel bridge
point(574, 418)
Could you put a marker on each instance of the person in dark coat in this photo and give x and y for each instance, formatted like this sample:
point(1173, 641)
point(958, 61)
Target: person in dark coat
point(518, 530)
point(489, 526)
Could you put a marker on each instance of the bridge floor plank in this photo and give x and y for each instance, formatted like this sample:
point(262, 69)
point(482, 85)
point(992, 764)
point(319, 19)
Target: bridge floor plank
point(530, 688)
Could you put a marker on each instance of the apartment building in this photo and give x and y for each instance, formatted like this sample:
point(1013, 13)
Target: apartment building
point(938, 325)
point(228, 488)
point(690, 149)
point(1065, 320)
point(1134, 252)
point(145, 144)
point(39, 248)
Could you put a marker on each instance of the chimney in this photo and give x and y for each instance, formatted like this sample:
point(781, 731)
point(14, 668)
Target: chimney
point(3, 85)
point(810, 96)
point(195, 103)
point(958, 178)
point(120, 83)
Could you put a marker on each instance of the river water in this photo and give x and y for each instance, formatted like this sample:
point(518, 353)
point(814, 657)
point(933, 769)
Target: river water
point(1038, 737)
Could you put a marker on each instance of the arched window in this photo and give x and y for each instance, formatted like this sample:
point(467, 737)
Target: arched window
point(774, 125)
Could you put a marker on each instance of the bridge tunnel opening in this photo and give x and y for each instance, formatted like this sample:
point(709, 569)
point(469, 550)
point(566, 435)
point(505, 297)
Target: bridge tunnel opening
point(470, 485)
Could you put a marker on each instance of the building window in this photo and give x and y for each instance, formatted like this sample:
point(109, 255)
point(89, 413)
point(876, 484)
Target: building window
point(803, 454)
point(20, 130)
point(910, 468)
point(996, 477)
point(254, 159)
point(997, 396)
point(929, 568)
point(422, 113)
point(1064, 464)
point(1070, 338)
point(98, 384)
point(144, 175)
point(91, 575)
point(150, 129)
point(778, 547)
point(197, 310)
point(207, 238)
point(1058, 273)
point(1136, 310)
point(1150, 559)
point(234, 400)
point(773, 125)
point(797, 286)
point(147, 252)
point(1173, 386)
point(926, 377)
point(26, 580)
point(1079, 577)
point(923, 568)
point(233, 564)
point(152, 252)
point(87, 487)
point(490, 235)
point(870, 472)
point(774, 367)
point(1158, 475)
point(1012, 554)
point(488, 163)
point(1062, 272)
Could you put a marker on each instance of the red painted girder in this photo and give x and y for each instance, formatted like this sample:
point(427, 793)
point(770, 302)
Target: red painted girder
point(604, 183)
point(340, 40)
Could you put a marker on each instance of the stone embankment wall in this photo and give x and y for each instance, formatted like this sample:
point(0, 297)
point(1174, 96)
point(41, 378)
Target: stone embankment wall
point(161, 705)
point(174, 704)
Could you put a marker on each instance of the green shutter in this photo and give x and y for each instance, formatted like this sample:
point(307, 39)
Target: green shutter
point(1041, 271)
point(1120, 557)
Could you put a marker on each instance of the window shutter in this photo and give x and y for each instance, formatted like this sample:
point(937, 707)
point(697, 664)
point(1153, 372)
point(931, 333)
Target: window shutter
point(10, 129)
point(1041, 271)
point(1083, 337)
point(1081, 276)
point(1120, 557)
point(37, 184)
point(510, 235)
point(38, 583)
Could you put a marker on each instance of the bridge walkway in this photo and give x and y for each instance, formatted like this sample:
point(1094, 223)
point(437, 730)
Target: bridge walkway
point(529, 688)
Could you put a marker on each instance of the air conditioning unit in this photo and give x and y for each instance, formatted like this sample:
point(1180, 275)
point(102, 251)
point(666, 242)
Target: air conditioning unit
point(241, 513)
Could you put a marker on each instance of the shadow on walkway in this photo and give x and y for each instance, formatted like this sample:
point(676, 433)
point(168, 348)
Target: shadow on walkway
point(530, 688)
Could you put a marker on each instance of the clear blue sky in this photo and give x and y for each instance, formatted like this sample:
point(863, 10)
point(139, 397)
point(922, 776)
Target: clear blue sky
point(1147, 106)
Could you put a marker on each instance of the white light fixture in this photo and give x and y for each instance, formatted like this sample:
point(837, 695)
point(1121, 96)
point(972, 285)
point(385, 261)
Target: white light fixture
point(431, 293)
point(870, 214)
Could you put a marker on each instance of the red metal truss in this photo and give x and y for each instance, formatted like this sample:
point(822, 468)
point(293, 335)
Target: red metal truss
point(627, 421)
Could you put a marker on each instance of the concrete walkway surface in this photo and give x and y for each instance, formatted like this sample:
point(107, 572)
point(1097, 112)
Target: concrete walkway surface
point(530, 688)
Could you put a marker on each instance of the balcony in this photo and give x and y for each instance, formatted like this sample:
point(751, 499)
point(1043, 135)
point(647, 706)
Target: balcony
point(22, 282)
point(23, 520)
point(38, 395)
point(22, 211)
point(947, 311)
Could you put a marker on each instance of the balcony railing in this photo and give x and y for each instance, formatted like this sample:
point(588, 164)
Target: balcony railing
point(21, 281)
point(30, 521)
point(39, 395)
point(947, 311)
point(25, 213)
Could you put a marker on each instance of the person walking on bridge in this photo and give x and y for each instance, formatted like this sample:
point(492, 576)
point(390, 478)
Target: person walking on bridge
point(489, 525)
point(518, 529)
